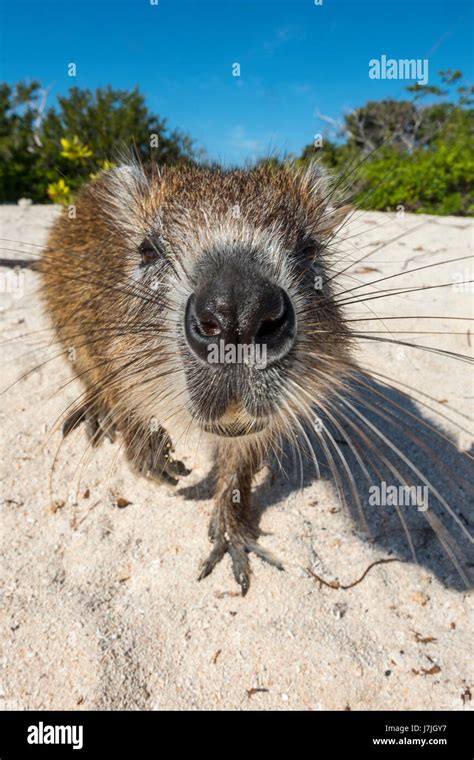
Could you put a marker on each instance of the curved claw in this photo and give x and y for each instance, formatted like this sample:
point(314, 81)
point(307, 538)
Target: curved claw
point(264, 554)
point(240, 567)
point(218, 551)
point(73, 420)
point(98, 426)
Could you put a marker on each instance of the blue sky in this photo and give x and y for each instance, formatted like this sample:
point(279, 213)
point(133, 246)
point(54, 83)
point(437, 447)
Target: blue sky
point(297, 59)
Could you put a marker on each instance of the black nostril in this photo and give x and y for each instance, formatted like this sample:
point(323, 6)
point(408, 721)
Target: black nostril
point(270, 326)
point(275, 324)
point(202, 327)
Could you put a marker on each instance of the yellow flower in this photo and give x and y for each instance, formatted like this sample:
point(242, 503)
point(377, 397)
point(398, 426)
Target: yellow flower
point(59, 192)
point(104, 166)
point(74, 149)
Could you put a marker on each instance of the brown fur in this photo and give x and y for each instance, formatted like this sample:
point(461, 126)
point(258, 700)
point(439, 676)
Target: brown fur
point(104, 319)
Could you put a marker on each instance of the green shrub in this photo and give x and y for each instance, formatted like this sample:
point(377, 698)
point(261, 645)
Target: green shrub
point(432, 181)
point(402, 153)
point(47, 154)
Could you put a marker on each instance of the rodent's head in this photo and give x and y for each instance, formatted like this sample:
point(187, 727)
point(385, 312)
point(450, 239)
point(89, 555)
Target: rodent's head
point(229, 295)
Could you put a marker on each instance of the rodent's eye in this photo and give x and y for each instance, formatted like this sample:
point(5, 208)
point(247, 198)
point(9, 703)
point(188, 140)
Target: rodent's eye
point(149, 253)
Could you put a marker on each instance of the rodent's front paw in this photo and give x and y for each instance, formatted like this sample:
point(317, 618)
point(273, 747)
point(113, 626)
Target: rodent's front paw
point(167, 470)
point(152, 458)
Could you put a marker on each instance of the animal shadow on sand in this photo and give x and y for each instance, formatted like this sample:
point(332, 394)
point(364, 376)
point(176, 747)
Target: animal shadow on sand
point(432, 526)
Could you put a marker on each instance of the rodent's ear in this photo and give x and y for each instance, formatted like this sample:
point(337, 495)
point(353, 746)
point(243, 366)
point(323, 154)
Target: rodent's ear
point(322, 189)
point(127, 179)
point(125, 191)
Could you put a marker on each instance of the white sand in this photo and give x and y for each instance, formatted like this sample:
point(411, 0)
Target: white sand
point(101, 606)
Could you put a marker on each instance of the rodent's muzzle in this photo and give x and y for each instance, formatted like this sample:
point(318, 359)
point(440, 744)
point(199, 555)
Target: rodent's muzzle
point(239, 317)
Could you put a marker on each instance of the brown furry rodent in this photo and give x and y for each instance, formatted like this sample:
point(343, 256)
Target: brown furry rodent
point(156, 273)
point(197, 298)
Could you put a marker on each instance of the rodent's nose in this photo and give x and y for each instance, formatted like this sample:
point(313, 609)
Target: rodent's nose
point(261, 314)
